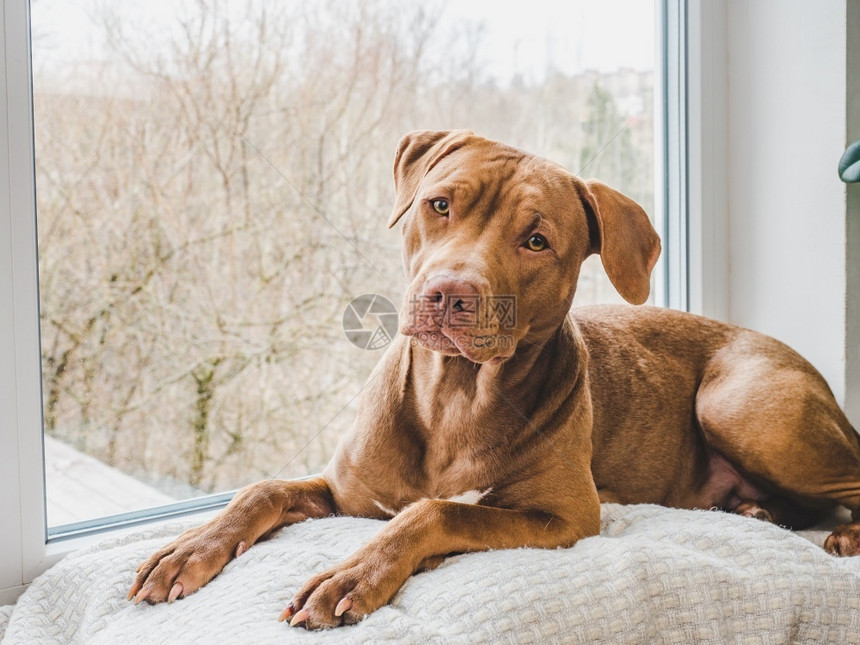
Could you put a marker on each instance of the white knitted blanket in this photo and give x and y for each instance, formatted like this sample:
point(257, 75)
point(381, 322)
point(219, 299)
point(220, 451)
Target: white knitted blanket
point(654, 575)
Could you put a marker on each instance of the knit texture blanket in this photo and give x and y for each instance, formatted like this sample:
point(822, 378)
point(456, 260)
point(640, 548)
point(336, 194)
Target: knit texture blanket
point(654, 575)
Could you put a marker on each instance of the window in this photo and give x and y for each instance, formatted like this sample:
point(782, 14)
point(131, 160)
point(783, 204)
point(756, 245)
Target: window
point(211, 189)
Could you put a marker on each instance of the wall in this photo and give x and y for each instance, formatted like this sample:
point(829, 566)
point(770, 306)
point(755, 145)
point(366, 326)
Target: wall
point(852, 288)
point(786, 122)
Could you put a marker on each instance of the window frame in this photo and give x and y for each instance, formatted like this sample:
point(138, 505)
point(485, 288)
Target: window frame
point(24, 541)
point(691, 205)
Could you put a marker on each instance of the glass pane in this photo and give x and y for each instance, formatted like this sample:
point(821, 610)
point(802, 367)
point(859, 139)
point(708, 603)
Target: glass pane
point(213, 184)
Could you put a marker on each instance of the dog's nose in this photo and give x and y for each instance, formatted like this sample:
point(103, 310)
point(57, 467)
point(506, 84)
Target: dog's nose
point(456, 298)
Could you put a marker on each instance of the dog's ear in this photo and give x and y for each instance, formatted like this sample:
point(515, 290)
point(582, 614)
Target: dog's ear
point(417, 153)
point(625, 239)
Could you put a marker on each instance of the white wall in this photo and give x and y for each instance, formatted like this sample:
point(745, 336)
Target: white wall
point(852, 310)
point(786, 123)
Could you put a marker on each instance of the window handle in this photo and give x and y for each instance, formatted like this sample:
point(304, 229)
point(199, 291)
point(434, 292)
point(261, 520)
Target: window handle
point(849, 165)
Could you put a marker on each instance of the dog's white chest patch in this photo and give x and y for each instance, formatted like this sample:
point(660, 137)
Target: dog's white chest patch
point(384, 509)
point(470, 496)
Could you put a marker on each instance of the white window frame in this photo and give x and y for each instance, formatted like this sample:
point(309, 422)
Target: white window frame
point(691, 205)
point(706, 159)
point(22, 540)
point(688, 159)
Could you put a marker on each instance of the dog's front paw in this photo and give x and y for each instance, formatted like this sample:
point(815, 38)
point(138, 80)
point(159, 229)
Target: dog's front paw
point(345, 594)
point(184, 565)
point(845, 540)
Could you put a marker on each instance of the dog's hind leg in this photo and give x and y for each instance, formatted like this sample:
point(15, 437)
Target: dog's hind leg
point(773, 417)
point(780, 510)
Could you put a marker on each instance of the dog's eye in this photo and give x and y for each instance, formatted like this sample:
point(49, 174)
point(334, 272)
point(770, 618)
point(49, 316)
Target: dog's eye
point(536, 243)
point(440, 206)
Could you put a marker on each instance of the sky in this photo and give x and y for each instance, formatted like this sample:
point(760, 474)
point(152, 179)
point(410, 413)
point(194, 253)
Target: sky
point(520, 37)
point(571, 35)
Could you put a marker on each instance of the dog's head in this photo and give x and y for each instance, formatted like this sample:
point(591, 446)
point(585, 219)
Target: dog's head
point(493, 240)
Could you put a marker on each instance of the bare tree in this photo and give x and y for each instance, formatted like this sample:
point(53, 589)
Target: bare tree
point(211, 198)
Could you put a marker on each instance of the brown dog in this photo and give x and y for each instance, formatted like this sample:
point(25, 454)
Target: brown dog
point(481, 429)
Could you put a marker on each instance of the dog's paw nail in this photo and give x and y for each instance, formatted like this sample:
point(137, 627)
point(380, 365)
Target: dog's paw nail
point(175, 592)
point(142, 595)
point(345, 604)
point(286, 613)
point(300, 617)
point(134, 589)
point(241, 548)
